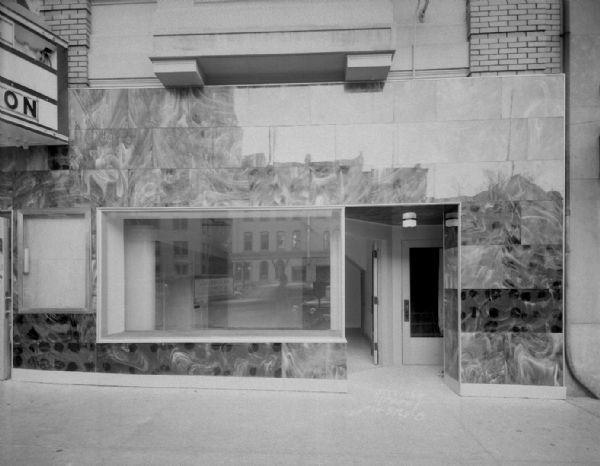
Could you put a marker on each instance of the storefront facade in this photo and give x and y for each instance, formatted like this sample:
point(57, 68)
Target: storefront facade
point(197, 234)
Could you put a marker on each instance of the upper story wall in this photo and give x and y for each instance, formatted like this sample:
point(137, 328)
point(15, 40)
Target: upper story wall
point(429, 38)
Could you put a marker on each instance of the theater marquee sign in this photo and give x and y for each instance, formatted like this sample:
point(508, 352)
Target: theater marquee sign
point(33, 87)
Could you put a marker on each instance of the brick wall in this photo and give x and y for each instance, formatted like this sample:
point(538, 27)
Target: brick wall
point(71, 20)
point(514, 36)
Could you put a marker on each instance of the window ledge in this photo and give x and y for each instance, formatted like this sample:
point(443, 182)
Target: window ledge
point(220, 336)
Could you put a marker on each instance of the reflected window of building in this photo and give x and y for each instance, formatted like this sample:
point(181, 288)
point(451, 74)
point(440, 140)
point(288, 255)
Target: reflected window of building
point(180, 224)
point(248, 241)
point(281, 240)
point(296, 239)
point(180, 248)
point(264, 270)
point(159, 279)
point(264, 240)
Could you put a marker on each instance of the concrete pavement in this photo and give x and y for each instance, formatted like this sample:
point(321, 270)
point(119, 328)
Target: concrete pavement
point(390, 416)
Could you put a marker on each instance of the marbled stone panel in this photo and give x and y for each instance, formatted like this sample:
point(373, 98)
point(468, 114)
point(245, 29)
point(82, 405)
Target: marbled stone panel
point(239, 359)
point(542, 222)
point(309, 184)
point(351, 103)
point(158, 108)
point(533, 96)
point(538, 266)
point(54, 341)
point(213, 106)
point(314, 360)
point(181, 148)
point(236, 147)
point(469, 99)
point(67, 188)
point(128, 358)
point(516, 266)
point(98, 108)
point(187, 187)
point(451, 354)
point(482, 358)
point(514, 310)
point(271, 106)
point(490, 223)
point(546, 139)
point(512, 358)
point(374, 143)
point(535, 358)
point(398, 185)
point(547, 176)
point(414, 100)
point(54, 328)
point(451, 310)
point(62, 188)
point(110, 149)
point(55, 356)
point(299, 144)
point(452, 142)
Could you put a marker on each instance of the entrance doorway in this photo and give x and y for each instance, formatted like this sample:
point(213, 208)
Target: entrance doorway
point(405, 274)
point(422, 302)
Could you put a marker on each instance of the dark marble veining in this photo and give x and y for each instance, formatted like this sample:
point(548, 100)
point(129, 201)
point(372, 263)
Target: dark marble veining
point(54, 328)
point(240, 359)
point(490, 223)
point(212, 106)
point(128, 358)
point(542, 222)
point(110, 149)
point(399, 185)
point(511, 310)
point(69, 188)
point(54, 341)
point(158, 108)
point(98, 108)
point(516, 266)
point(314, 360)
point(512, 358)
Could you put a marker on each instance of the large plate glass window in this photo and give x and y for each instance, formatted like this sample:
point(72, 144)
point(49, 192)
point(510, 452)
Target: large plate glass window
point(158, 280)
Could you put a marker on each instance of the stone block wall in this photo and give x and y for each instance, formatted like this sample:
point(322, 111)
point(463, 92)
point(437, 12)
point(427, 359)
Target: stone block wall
point(514, 36)
point(71, 20)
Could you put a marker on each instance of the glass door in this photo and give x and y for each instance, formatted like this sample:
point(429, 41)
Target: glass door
point(422, 302)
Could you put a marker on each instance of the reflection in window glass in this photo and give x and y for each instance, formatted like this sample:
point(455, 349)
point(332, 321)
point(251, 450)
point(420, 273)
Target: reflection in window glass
point(264, 270)
point(231, 287)
point(264, 240)
point(248, 241)
point(325, 240)
point(296, 239)
point(281, 240)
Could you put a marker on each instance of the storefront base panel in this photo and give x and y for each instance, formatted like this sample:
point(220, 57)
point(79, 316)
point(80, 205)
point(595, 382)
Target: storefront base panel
point(513, 391)
point(179, 381)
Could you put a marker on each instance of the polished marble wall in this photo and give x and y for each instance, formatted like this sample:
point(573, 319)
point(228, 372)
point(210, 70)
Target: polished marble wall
point(414, 141)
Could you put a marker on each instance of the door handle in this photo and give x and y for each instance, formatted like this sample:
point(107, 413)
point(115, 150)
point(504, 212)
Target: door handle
point(406, 310)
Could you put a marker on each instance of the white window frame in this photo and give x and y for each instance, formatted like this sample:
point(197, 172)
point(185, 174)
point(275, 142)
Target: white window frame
point(333, 335)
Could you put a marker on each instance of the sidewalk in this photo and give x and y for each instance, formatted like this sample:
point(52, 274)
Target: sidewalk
point(390, 416)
